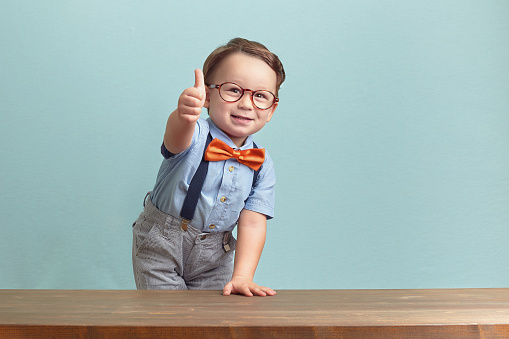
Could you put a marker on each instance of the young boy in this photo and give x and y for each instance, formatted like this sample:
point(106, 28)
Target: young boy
point(213, 177)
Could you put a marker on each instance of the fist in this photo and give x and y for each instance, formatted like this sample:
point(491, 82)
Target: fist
point(191, 101)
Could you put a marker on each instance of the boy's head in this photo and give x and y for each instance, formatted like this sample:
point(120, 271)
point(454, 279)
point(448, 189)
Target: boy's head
point(242, 80)
point(252, 48)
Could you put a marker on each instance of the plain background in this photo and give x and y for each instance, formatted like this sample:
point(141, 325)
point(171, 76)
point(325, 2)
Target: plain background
point(391, 141)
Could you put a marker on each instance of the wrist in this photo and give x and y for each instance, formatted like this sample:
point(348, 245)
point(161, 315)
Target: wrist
point(242, 277)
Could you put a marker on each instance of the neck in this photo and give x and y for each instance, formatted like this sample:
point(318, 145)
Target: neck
point(239, 142)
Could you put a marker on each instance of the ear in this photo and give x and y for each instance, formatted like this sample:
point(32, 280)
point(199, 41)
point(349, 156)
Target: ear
point(207, 97)
point(271, 113)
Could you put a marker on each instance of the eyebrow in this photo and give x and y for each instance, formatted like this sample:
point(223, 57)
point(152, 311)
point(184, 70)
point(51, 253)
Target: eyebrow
point(260, 88)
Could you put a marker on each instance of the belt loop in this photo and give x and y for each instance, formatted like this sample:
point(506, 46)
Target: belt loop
point(145, 199)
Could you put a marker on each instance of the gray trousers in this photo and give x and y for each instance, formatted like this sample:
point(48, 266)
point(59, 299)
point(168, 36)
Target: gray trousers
point(167, 257)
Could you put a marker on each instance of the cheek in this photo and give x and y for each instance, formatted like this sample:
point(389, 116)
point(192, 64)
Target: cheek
point(216, 103)
point(269, 116)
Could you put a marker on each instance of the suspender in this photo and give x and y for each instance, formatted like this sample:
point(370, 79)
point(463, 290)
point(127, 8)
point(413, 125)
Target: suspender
point(255, 174)
point(196, 185)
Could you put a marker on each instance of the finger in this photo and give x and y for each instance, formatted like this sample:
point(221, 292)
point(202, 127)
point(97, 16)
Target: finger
point(245, 290)
point(199, 81)
point(191, 100)
point(268, 291)
point(261, 293)
point(227, 290)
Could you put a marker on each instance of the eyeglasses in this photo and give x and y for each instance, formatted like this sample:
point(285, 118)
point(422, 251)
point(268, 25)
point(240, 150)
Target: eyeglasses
point(231, 92)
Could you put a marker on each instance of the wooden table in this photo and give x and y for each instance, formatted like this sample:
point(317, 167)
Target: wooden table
point(438, 313)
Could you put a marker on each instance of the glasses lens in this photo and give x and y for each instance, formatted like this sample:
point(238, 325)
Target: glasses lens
point(230, 92)
point(263, 99)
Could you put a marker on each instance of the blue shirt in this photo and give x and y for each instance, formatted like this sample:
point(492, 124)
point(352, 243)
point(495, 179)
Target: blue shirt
point(227, 186)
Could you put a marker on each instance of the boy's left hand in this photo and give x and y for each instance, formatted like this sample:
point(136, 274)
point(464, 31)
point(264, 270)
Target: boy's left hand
point(239, 285)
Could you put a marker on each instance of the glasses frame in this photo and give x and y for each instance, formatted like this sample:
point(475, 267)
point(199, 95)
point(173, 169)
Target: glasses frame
point(244, 90)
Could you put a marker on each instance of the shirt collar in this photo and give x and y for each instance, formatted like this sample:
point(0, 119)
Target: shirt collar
point(216, 132)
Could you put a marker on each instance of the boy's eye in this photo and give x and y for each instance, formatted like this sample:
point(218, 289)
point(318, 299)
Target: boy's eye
point(262, 95)
point(231, 89)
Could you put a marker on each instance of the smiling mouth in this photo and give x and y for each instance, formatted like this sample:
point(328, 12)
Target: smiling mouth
point(241, 118)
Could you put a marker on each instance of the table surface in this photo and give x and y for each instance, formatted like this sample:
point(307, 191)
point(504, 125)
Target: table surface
point(474, 313)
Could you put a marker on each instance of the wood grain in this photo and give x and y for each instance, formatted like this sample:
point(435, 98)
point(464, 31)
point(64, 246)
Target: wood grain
point(434, 313)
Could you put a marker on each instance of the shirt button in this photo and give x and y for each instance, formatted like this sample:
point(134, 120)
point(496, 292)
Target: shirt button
point(231, 168)
point(223, 199)
point(212, 227)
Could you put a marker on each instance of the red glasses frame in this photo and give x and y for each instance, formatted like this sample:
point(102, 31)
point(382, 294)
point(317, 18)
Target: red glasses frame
point(218, 87)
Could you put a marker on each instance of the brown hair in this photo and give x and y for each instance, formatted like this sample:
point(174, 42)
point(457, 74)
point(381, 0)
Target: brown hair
point(253, 48)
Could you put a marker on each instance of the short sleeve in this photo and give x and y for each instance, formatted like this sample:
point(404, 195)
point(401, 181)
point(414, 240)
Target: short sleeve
point(262, 196)
point(196, 135)
point(166, 154)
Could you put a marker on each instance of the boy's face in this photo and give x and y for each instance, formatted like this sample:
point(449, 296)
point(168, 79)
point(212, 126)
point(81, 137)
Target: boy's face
point(241, 118)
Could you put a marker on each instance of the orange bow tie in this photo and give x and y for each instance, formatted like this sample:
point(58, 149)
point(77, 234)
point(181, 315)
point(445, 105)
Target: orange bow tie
point(218, 151)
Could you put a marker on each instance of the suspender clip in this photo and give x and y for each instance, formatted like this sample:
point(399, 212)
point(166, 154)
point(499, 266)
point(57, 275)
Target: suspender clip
point(183, 224)
point(226, 241)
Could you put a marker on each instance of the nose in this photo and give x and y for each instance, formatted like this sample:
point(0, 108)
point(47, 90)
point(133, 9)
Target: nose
point(246, 101)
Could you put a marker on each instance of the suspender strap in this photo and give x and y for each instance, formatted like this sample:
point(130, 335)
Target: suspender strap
point(255, 174)
point(196, 185)
point(193, 193)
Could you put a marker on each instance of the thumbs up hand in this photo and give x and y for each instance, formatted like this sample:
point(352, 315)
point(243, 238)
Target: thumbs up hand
point(191, 101)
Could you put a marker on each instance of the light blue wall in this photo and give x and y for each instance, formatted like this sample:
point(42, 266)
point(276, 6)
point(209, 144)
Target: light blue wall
point(396, 112)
